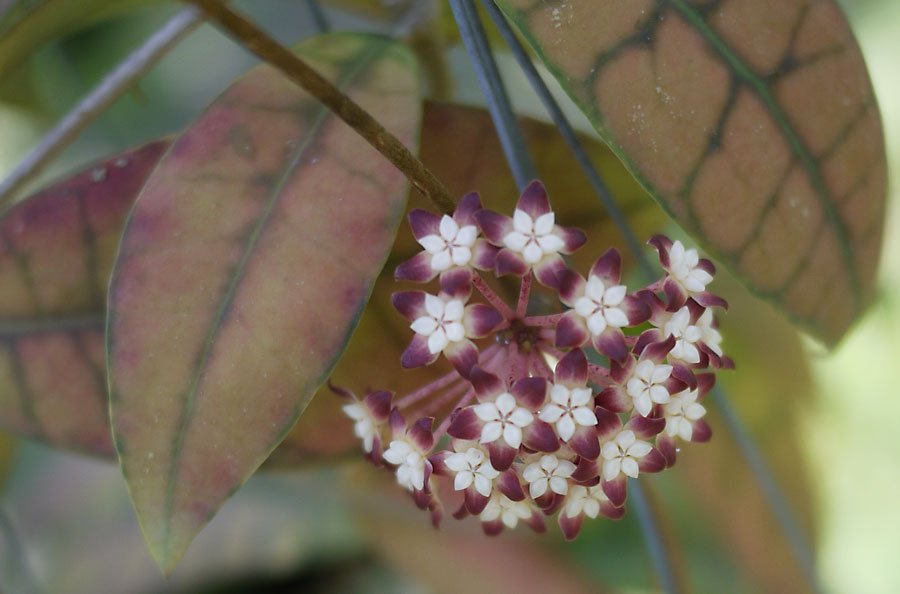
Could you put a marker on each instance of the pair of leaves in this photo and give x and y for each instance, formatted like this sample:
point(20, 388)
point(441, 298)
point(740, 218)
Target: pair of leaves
point(754, 125)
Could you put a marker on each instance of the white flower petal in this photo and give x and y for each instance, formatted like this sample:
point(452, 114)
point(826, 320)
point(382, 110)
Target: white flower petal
point(516, 241)
point(434, 306)
point(455, 331)
point(615, 317)
point(559, 485)
point(584, 416)
point(441, 261)
point(565, 427)
point(532, 253)
point(466, 236)
point(611, 469)
point(694, 411)
point(538, 487)
point(506, 403)
point(625, 438)
point(544, 223)
point(448, 228)
point(659, 394)
point(438, 341)
point(630, 467)
point(550, 244)
point(532, 472)
point(433, 244)
point(610, 450)
point(559, 394)
point(424, 326)
point(643, 404)
point(512, 435)
point(456, 462)
point(660, 373)
point(460, 255)
point(551, 413)
point(487, 411)
point(522, 222)
point(594, 289)
point(463, 480)
point(614, 295)
point(639, 449)
point(521, 417)
point(491, 432)
point(355, 411)
point(483, 485)
point(591, 508)
point(580, 396)
point(597, 323)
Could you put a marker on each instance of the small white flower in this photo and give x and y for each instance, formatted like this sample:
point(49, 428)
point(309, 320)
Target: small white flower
point(622, 455)
point(472, 467)
point(533, 238)
point(686, 336)
point(509, 511)
point(443, 323)
point(585, 500)
point(680, 413)
point(568, 409)
point(410, 464)
point(452, 246)
point(709, 335)
point(646, 385)
point(365, 427)
point(503, 417)
point(600, 305)
point(549, 471)
point(683, 268)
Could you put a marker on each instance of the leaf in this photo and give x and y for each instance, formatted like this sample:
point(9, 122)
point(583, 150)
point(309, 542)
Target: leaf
point(753, 123)
point(459, 145)
point(242, 271)
point(56, 252)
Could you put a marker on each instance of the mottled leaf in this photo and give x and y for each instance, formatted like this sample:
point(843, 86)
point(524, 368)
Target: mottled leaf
point(459, 144)
point(752, 122)
point(242, 271)
point(56, 252)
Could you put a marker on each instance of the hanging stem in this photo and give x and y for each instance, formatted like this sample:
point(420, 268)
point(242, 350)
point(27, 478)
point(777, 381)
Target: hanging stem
point(492, 298)
point(524, 294)
point(113, 86)
point(269, 50)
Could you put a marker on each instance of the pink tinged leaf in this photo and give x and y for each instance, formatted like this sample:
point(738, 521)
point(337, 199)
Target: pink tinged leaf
point(572, 369)
point(571, 237)
point(667, 447)
point(420, 433)
point(466, 209)
point(424, 223)
point(612, 511)
point(571, 331)
point(571, 287)
point(608, 267)
point(682, 378)
point(417, 354)
point(475, 502)
point(646, 427)
point(492, 527)
point(508, 484)
point(56, 252)
point(494, 225)
point(530, 392)
point(457, 283)
point(657, 351)
point(465, 424)
point(397, 424)
point(484, 255)
point(379, 404)
point(705, 383)
point(587, 471)
point(701, 431)
point(487, 385)
point(652, 462)
point(616, 490)
point(663, 245)
point(240, 277)
point(417, 269)
point(675, 294)
point(608, 424)
point(480, 320)
point(636, 309)
point(707, 299)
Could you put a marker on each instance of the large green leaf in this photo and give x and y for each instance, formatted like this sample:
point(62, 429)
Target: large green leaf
point(752, 122)
point(56, 252)
point(243, 268)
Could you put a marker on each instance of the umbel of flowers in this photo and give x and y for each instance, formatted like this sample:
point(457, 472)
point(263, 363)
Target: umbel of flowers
point(542, 414)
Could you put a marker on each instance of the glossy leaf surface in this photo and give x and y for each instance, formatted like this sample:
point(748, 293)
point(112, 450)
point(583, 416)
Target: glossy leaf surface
point(459, 144)
point(753, 123)
point(56, 252)
point(243, 269)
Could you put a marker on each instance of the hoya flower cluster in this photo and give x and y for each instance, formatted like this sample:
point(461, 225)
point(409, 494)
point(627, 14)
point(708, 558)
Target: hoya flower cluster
point(542, 414)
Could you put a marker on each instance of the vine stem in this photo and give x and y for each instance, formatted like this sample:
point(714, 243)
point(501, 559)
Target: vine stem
point(113, 85)
point(263, 46)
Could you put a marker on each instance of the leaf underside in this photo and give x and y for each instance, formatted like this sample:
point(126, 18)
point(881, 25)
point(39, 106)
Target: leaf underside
point(242, 271)
point(752, 122)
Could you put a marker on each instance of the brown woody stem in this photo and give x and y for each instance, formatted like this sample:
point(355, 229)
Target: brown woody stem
point(269, 50)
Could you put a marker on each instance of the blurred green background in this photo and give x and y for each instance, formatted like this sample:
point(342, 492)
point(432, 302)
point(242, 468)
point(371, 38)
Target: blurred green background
point(65, 521)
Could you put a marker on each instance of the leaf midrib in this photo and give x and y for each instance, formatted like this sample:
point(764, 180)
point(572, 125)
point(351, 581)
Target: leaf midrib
point(321, 117)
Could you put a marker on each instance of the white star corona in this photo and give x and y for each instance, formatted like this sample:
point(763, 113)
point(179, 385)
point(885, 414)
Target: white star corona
point(681, 411)
point(600, 305)
point(472, 467)
point(622, 455)
point(533, 238)
point(646, 386)
point(452, 246)
point(503, 418)
point(443, 323)
point(568, 409)
point(365, 426)
point(410, 464)
point(549, 472)
point(585, 500)
point(683, 268)
point(508, 511)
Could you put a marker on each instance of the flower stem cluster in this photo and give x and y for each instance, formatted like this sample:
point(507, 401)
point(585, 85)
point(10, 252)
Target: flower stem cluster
point(542, 414)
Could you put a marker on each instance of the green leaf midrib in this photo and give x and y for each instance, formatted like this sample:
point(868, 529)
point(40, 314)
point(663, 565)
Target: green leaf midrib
point(322, 114)
point(759, 86)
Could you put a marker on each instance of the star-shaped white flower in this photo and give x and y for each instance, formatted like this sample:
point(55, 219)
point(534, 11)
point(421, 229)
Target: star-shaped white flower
point(686, 336)
point(503, 417)
point(708, 334)
point(365, 427)
point(646, 385)
point(568, 408)
point(585, 500)
point(452, 246)
point(622, 455)
point(600, 305)
point(681, 411)
point(549, 471)
point(683, 268)
point(443, 323)
point(472, 466)
point(533, 238)
point(410, 464)
point(508, 511)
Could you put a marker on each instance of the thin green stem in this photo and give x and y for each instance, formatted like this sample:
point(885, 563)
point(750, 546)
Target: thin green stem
point(113, 86)
point(266, 48)
point(318, 16)
point(656, 548)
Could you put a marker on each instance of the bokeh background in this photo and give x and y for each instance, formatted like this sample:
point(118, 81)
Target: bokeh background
point(824, 419)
